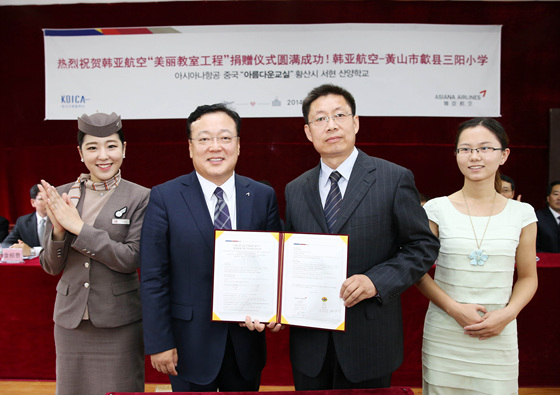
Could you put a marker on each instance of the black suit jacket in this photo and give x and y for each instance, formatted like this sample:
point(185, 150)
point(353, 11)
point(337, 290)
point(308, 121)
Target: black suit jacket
point(548, 239)
point(4, 227)
point(389, 241)
point(25, 229)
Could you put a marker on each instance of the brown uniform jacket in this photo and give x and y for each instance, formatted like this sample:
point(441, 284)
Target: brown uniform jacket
point(99, 267)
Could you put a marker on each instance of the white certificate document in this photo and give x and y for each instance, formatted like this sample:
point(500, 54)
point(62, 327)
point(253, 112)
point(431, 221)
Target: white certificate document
point(314, 268)
point(291, 278)
point(245, 276)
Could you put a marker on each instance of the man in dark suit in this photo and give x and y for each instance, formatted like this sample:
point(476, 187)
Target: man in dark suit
point(508, 187)
point(28, 230)
point(391, 246)
point(176, 254)
point(4, 227)
point(548, 227)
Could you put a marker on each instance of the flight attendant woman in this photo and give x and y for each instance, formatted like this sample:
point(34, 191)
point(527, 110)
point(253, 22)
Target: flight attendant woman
point(93, 237)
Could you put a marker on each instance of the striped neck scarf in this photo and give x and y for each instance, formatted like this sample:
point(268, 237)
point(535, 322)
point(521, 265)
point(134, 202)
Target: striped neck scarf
point(75, 191)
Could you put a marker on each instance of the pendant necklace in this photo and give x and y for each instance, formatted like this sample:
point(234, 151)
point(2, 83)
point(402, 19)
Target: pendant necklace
point(478, 257)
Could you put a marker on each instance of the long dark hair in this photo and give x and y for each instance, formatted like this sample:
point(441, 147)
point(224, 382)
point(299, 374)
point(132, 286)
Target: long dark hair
point(497, 129)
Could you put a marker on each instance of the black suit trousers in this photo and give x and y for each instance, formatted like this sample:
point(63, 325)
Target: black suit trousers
point(332, 376)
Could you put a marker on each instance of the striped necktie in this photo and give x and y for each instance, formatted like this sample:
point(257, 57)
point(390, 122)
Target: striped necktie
point(221, 211)
point(333, 202)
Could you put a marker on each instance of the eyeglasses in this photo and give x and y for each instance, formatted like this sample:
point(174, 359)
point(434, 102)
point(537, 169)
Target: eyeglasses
point(223, 140)
point(479, 150)
point(338, 118)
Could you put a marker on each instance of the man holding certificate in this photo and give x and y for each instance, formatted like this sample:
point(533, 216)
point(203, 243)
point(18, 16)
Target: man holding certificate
point(376, 204)
point(176, 255)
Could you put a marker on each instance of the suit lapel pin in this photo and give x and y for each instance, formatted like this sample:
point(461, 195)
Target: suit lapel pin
point(121, 212)
point(248, 194)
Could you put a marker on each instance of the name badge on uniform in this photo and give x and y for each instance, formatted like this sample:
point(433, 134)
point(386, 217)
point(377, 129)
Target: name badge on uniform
point(120, 221)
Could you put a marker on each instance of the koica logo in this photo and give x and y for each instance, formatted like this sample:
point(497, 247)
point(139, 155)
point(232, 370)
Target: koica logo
point(72, 99)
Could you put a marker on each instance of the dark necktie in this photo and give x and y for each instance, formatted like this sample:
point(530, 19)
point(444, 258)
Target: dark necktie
point(221, 212)
point(334, 199)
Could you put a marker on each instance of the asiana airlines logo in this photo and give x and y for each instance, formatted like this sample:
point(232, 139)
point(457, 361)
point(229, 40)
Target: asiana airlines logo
point(73, 101)
point(461, 99)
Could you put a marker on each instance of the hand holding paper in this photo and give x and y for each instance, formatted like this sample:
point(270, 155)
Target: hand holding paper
point(256, 325)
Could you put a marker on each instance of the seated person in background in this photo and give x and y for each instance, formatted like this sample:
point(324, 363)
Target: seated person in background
point(4, 227)
point(28, 230)
point(548, 227)
point(508, 187)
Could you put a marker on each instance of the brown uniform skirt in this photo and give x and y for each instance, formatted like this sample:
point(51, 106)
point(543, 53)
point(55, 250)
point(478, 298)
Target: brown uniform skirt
point(94, 361)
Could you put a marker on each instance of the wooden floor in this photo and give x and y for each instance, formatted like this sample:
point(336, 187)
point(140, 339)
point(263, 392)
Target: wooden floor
point(48, 388)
